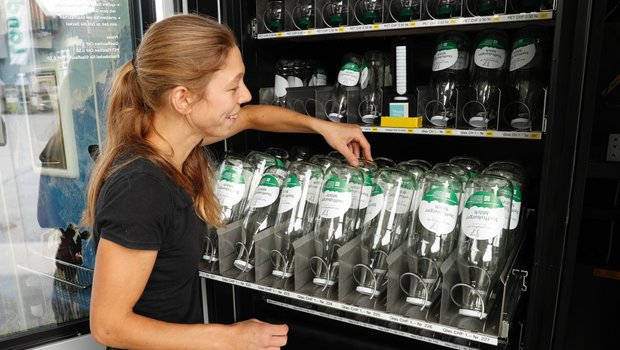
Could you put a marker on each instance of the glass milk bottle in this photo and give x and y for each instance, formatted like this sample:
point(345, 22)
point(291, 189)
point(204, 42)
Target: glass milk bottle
point(487, 77)
point(349, 75)
point(527, 78)
point(335, 223)
point(260, 161)
point(299, 201)
point(384, 228)
point(231, 191)
point(263, 208)
point(432, 235)
point(482, 246)
point(449, 73)
point(517, 180)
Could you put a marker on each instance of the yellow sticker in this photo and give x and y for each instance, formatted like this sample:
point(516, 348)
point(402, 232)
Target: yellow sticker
point(489, 133)
point(342, 29)
point(412, 24)
point(376, 26)
point(409, 131)
point(309, 32)
point(453, 21)
point(535, 136)
point(495, 18)
point(449, 132)
point(280, 34)
point(544, 15)
point(374, 129)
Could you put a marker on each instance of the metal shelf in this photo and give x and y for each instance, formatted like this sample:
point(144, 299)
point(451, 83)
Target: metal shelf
point(529, 135)
point(459, 21)
point(429, 326)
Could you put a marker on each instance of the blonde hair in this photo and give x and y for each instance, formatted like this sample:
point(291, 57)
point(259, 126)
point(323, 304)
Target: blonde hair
point(182, 50)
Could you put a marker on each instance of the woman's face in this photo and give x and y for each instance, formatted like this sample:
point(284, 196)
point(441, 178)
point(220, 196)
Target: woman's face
point(217, 112)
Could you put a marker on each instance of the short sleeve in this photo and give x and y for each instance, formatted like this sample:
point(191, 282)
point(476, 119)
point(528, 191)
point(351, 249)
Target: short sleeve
point(134, 211)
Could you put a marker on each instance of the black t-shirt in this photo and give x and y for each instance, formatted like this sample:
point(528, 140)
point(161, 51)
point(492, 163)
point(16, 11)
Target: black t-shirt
point(140, 207)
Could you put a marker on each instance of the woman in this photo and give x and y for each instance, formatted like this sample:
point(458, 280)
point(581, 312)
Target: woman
point(150, 192)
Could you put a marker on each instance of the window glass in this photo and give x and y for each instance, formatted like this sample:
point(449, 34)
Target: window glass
point(57, 58)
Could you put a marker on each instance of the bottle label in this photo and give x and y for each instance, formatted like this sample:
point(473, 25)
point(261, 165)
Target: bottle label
point(291, 193)
point(294, 81)
point(483, 216)
point(364, 77)
point(490, 54)
point(506, 199)
point(335, 198)
point(439, 210)
point(397, 201)
point(230, 187)
point(280, 86)
point(314, 187)
point(267, 191)
point(523, 52)
point(349, 74)
point(375, 203)
point(516, 207)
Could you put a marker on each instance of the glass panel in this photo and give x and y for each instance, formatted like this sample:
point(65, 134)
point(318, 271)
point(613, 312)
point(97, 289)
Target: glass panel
point(56, 61)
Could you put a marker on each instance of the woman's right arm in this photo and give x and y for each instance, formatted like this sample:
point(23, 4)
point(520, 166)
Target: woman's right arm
point(120, 277)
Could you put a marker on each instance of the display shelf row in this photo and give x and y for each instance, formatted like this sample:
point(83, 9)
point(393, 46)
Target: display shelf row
point(375, 327)
point(526, 135)
point(450, 22)
point(416, 323)
point(439, 315)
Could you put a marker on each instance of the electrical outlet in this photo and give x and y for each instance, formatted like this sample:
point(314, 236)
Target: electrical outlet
point(613, 148)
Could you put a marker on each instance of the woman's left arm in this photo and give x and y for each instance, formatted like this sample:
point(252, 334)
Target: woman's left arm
point(347, 139)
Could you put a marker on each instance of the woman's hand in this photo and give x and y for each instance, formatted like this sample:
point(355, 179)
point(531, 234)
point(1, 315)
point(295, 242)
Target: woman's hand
point(254, 335)
point(347, 139)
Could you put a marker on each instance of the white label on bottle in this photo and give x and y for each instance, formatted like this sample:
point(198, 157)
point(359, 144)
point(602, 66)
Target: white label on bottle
point(280, 86)
point(521, 56)
point(483, 216)
point(356, 194)
point(439, 210)
point(365, 196)
point(230, 187)
point(399, 201)
point(291, 193)
point(335, 198)
point(349, 74)
point(267, 192)
point(374, 204)
point(506, 202)
point(364, 77)
point(294, 81)
point(516, 207)
point(314, 190)
point(444, 59)
point(490, 57)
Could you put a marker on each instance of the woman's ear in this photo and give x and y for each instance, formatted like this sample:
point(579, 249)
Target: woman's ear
point(181, 100)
